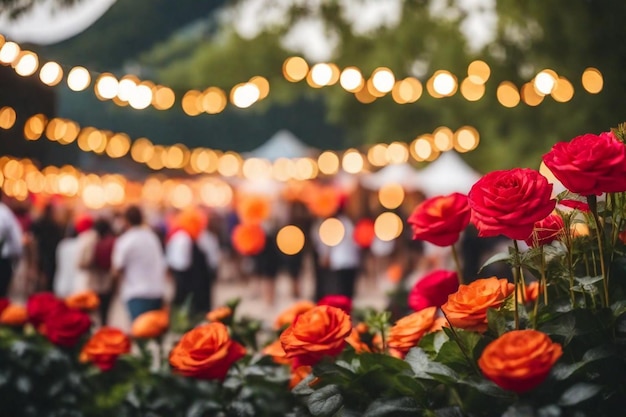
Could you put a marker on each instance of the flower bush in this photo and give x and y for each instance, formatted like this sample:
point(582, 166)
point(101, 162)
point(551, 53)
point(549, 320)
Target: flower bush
point(550, 342)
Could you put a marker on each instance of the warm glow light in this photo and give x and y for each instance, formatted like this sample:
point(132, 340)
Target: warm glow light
point(191, 103)
point(472, 91)
point(352, 161)
point(7, 117)
point(507, 94)
point(126, 87)
point(564, 90)
point(27, 64)
point(214, 100)
point(351, 79)
point(93, 196)
point(141, 97)
point(331, 232)
point(51, 73)
point(262, 84)
point(68, 185)
point(321, 74)
point(244, 95)
point(466, 139)
point(295, 69)
point(256, 168)
point(142, 150)
point(9, 52)
point(114, 193)
point(328, 163)
point(363, 95)
point(544, 82)
point(35, 126)
point(530, 95)
point(422, 148)
point(118, 145)
point(383, 80)
point(204, 160)
point(443, 139)
point(78, 79)
point(397, 153)
point(106, 87)
point(290, 240)
point(478, 72)
point(181, 196)
point(163, 98)
point(407, 91)
point(592, 80)
point(216, 193)
point(444, 83)
point(388, 226)
point(228, 164)
point(377, 155)
point(391, 196)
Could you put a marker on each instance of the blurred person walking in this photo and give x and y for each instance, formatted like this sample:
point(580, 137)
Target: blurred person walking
point(139, 264)
point(69, 278)
point(95, 259)
point(10, 246)
point(47, 233)
point(192, 254)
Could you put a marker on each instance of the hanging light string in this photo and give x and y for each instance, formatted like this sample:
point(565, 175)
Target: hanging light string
point(129, 90)
point(201, 160)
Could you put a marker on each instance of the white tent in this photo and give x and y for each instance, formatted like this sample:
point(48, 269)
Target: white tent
point(283, 144)
point(448, 174)
point(404, 174)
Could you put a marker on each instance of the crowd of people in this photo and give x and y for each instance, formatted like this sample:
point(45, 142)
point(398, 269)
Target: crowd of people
point(139, 255)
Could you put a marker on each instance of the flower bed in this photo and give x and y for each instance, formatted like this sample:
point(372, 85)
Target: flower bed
point(550, 343)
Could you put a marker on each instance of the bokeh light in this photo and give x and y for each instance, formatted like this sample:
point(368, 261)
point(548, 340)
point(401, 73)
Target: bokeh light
point(78, 79)
point(328, 163)
point(478, 72)
point(295, 69)
point(507, 94)
point(27, 64)
point(383, 80)
point(106, 86)
point(391, 196)
point(51, 73)
point(592, 80)
point(351, 79)
point(331, 232)
point(290, 240)
point(352, 161)
point(444, 83)
point(388, 226)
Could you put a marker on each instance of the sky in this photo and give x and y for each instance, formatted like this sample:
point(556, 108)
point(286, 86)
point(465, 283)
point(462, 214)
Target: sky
point(45, 25)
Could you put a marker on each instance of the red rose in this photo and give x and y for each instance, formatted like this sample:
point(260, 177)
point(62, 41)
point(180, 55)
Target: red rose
point(363, 234)
point(42, 304)
point(509, 202)
point(433, 290)
point(440, 220)
point(336, 300)
point(575, 204)
point(64, 326)
point(546, 231)
point(4, 303)
point(589, 164)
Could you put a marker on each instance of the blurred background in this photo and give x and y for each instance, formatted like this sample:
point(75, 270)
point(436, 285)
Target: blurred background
point(190, 46)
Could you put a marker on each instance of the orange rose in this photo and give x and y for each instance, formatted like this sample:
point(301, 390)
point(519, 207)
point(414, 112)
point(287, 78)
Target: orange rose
point(14, 315)
point(319, 332)
point(355, 341)
point(298, 375)
point(206, 352)
point(519, 360)
point(531, 292)
point(150, 324)
point(286, 317)
point(104, 347)
point(467, 308)
point(409, 330)
point(276, 351)
point(85, 300)
point(438, 324)
point(219, 314)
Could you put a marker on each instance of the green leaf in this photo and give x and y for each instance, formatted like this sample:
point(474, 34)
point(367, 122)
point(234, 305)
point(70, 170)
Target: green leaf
point(392, 407)
point(498, 257)
point(578, 393)
point(425, 368)
point(325, 401)
point(588, 280)
point(203, 407)
point(303, 388)
point(496, 321)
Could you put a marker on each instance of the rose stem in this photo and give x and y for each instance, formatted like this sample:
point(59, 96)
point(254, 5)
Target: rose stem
point(517, 271)
point(457, 339)
point(457, 263)
point(544, 281)
point(593, 207)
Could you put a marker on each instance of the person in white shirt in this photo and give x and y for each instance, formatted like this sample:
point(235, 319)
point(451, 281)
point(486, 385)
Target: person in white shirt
point(10, 247)
point(69, 278)
point(139, 263)
point(192, 254)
